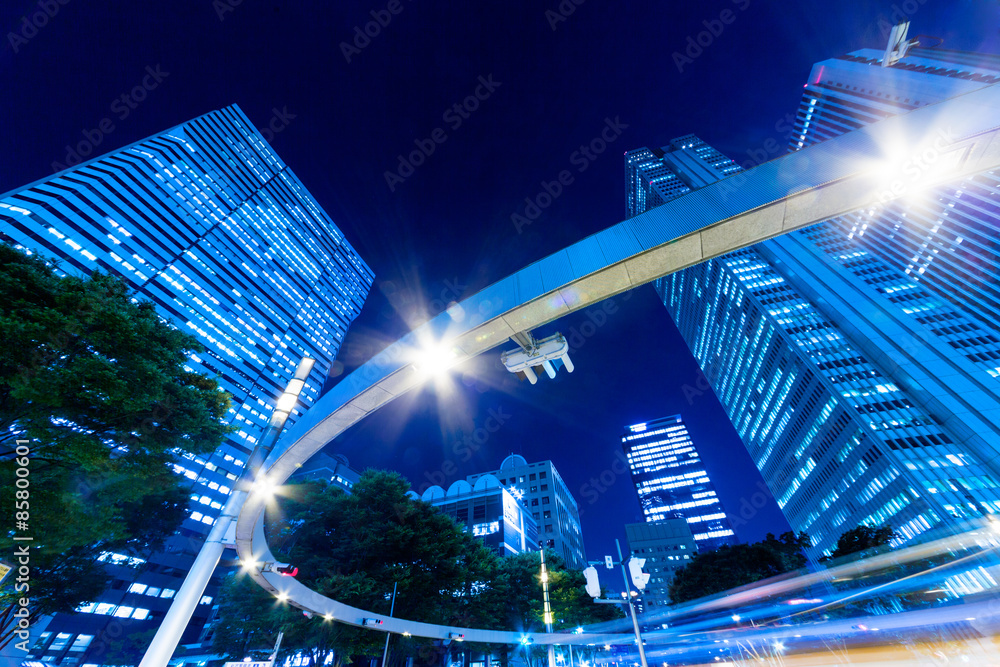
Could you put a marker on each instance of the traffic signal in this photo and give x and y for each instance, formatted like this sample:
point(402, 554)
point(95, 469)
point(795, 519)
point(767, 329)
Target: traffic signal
point(639, 578)
point(284, 569)
point(593, 583)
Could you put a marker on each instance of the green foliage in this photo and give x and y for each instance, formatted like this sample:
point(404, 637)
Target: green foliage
point(128, 649)
point(861, 539)
point(352, 548)
point(251, 620)
point(96, 384)
point(731, 566)
point(517, 595)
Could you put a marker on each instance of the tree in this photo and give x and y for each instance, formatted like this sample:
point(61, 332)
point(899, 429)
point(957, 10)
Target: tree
point(860, 539)
point(731, 566)
point(518, 589)
point(352, 548)
point(515, 599)
point(248, 626)
point(94, 404)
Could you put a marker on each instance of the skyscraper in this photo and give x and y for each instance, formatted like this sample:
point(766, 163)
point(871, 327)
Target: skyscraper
point(672, 482)
point(858, 358)
point(552, 506)
point(209, 224)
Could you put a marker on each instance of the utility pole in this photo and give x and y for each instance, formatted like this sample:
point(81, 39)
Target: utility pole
point(631, 606)
point(640, 579)
point(392, 608)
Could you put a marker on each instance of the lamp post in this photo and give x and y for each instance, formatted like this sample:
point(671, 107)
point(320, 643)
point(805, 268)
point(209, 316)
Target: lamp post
point(547, 608)
point(186, 600)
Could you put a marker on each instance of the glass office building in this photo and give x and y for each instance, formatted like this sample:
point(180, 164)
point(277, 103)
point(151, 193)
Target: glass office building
point(493, 514)
point(209, 224)
point(548, 499)
point(858, 359)
point(672, 482)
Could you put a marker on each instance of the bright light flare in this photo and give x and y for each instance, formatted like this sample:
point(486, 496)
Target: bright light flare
point(435, 360)
point(908, 166)
point(282, 596)
point(265, 487)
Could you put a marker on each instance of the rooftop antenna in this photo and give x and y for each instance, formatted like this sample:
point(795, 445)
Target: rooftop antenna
point(898, 44)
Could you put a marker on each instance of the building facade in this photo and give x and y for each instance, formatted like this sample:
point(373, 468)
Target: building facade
point(667, 546)
point(335, 469)
point(492, 513)
point(209, 224)
point(858, 359)
point(551, 504)
point(672, 483)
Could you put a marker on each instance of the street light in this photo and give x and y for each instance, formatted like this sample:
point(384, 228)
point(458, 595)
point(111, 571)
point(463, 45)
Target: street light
point(434, 359)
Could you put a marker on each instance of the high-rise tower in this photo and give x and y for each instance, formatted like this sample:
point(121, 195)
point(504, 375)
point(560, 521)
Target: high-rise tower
point(672, 482)
point(858, 358)
point(209, 224)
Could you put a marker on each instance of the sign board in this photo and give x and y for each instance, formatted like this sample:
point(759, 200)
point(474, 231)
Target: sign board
point(251, 663)
point(609, 562)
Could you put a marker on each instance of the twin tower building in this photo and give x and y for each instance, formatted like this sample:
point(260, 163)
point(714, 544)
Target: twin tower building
point(858, 359)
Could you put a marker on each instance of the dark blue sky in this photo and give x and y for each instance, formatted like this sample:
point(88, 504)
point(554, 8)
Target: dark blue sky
point(445, 231)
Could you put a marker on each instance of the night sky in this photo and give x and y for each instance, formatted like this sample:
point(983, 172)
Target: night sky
point(549, 83)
